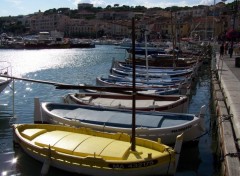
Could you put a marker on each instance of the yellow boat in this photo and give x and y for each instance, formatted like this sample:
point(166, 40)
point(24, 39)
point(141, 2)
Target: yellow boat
point(85, 151)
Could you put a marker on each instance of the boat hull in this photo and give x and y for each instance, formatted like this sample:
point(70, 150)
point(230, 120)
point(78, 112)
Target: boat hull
point(163, 160)
point(167, 103)
point(111, 120)
point(144, 74)
point(110, 82)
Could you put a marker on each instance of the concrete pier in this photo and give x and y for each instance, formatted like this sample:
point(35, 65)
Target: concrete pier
point(226, 97)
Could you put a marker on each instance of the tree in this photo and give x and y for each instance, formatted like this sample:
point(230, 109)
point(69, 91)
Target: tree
point(108, 7)
point(140, 9)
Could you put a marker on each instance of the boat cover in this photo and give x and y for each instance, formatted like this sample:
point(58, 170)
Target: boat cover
point(121, 118)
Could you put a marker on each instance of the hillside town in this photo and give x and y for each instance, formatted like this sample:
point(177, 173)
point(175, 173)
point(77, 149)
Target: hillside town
point(215, 22)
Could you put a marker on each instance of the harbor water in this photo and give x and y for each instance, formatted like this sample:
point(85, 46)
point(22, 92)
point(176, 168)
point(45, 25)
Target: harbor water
point(75, 66)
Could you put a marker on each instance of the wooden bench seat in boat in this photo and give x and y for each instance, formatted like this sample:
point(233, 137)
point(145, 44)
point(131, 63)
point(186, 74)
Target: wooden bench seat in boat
point(32, 133)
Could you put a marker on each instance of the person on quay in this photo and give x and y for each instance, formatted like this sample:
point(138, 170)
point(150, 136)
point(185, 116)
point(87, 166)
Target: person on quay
point(230, 51)
point(226, 48)
point(221, 51)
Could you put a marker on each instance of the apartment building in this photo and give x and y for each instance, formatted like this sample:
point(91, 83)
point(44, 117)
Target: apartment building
point(112, 15)
point(119, 29)
point(50, 22)
point(81, 27)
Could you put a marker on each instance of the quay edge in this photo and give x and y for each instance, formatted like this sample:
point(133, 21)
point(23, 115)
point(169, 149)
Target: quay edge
point(226, 104)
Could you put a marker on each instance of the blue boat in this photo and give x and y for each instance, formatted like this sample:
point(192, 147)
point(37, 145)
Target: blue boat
point(101, 81)
point(144, 73)
point(164, 80)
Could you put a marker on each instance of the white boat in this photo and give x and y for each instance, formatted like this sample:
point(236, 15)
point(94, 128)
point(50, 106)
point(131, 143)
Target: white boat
point(167, 103)
point(164, 80)
point(127, 66)
point(108, 82)
point(152, 74)
point(160, 91)
point(127, 43)
point(89, 152)
point(149, 124)
point(5, 70)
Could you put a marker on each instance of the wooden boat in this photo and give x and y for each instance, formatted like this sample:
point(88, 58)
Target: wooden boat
point(169, 103)
point(88, 152)
point(159, 61)
point(164, 80)
point(144, 73)
point(147, 90)
point(101, 81)
point(149, 124)
point(125, 65)
point(153, 91)
point(160, 91)
point(121, 65)
point(151, 50)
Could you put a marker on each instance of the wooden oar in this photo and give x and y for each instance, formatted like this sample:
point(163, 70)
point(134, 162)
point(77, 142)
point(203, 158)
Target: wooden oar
point(114, 89)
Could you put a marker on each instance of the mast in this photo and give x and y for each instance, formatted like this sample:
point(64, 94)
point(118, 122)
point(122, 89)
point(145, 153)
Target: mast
point(173, 41)
point(146, 52)
point(133, 139)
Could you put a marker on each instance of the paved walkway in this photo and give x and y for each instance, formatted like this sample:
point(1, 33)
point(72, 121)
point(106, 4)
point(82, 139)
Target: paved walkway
point(229, 78)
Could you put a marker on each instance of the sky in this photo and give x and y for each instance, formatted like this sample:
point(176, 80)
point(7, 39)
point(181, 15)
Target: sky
point(25, 7)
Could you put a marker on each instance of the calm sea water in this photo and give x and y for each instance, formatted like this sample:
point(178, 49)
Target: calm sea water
point(76, 66)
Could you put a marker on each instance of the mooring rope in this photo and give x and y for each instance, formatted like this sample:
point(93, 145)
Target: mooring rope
point(223, 118)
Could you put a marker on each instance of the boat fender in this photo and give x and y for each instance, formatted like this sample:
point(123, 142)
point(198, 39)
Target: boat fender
point(46, 166)
point(188, 92)
point(202, 111)
point(201, 116)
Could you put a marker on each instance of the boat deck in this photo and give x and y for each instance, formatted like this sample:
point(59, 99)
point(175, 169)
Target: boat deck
point(84, 145)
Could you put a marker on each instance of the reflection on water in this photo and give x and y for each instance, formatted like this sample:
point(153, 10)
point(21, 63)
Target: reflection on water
point(76, 66)
point(8, 163)
point(27, 61)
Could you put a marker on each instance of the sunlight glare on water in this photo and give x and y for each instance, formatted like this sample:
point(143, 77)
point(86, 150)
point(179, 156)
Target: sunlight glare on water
point(30, 61)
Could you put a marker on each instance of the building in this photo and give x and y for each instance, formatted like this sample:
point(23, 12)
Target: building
point(51, 22)
point(81, 28)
